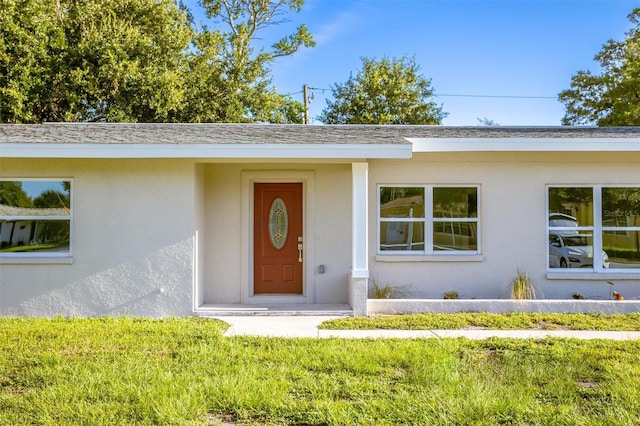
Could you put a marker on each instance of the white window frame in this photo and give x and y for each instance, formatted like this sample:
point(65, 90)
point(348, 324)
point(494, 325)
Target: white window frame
point(596, 230)
point(428, 222)
point(43, 256)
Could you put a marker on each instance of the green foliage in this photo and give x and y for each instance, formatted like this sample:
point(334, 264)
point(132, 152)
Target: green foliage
point(52, 199)
point(388, 91)
point(229, 80)
point(611, 98)
point(113, 60)
point(30, 37)
point(511, 321)
point(37, 247)
point(140, 371)
point(451, 295)
point(12, 194)
point(142, 61)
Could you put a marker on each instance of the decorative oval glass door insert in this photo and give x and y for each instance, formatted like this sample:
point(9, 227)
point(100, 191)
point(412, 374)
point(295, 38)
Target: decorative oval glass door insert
point(278, 223)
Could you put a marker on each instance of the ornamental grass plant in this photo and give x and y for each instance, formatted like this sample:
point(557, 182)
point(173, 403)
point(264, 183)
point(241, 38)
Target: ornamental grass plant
point(522, 287)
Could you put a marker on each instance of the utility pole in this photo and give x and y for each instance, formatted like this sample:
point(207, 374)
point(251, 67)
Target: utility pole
point(305, 119)
point(307, 101)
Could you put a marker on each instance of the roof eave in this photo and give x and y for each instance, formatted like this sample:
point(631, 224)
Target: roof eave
point(207, 151)
point(525, 144)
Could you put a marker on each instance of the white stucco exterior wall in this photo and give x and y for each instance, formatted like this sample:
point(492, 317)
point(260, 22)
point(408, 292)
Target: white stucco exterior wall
point(330, 242)
point(158, 237)
point(512, 221)
point(133, 241)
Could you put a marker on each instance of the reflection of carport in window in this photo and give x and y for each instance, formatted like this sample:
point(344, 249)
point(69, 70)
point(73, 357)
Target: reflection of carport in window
point(429, 219)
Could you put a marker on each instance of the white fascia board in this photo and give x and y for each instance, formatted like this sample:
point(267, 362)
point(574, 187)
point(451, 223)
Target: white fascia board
point(525, 144)
point(268, 151)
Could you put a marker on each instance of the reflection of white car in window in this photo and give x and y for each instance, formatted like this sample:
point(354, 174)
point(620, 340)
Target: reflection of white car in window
point(572, 251)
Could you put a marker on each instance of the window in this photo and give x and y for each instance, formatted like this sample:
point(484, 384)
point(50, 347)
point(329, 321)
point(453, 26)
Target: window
point(595, 228)
point(35, 218)
point(428, 220)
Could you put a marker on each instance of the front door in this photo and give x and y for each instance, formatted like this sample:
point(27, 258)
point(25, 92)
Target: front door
point(277, 242)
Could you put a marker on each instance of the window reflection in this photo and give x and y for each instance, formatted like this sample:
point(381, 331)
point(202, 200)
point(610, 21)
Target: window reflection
point(570, 207)
point(620, 207)
point(35, 216)
point(455, 236)
point(17, 236)
point(401, 202)
point(428, 219)
point(571, 250)
point(402, 236)
point(623, 249)
point(450, 205)
point(455, 202)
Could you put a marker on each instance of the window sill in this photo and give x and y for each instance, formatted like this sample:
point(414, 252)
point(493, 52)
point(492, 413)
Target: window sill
point(430, 258)
point(593, 276)
point(36, 260)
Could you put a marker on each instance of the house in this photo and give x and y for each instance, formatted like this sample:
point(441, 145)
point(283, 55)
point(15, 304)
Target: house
point(176, 219)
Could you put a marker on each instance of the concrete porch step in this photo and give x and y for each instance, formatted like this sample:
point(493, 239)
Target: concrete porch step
point(209, 310)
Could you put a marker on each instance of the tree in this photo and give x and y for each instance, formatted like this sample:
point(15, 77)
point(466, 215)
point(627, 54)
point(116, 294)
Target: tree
point(486, 122)
point(30, 33)
point(142, 61)
point(12, 194)
point(52, 199)
point(112, 60)
point(229, 79)
point(389, 91)
point(611, 98)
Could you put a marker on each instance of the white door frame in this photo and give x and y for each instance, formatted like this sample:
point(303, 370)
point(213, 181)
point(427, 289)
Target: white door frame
point(307, 178)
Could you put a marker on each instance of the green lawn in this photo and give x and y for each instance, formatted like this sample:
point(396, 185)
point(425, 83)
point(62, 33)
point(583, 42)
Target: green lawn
point(134, 371)
point(512, 321)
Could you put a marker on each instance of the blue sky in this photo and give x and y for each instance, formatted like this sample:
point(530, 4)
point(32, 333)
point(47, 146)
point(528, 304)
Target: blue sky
point(484, 52)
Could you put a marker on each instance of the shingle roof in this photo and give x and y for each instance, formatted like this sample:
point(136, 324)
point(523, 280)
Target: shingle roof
point(21, 211)
point(185, 134)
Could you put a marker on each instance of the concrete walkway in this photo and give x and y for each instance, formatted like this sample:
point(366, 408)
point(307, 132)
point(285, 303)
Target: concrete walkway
point(307, 326)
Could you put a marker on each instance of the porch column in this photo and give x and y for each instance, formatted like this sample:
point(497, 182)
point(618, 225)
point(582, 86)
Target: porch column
point(358, 284)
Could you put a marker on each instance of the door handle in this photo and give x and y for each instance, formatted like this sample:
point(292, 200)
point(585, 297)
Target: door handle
point(300, 249)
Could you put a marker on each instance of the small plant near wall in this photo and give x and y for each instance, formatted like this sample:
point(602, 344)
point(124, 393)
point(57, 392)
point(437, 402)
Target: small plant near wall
point(614, 294)
point(385, 292)
point(451, 295)
point(522, 287)
point(577, 296)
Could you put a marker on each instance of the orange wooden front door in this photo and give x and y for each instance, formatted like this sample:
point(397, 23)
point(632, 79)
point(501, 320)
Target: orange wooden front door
point(277, 242)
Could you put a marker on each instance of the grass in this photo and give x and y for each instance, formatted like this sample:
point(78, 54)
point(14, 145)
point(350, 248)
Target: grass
point(176, 372)
point(522, 287)
point(36, 247)
point(511, 321)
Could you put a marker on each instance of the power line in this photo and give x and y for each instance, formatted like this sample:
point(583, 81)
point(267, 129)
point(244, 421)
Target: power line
point(454, 95)
point(309, 88)
point(493, 96)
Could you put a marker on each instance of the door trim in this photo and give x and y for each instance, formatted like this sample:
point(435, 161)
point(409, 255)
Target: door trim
point(307, 178)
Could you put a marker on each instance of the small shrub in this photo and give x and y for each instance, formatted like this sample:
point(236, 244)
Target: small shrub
point(451, 295)
point(522, 287)
point(385, 292)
